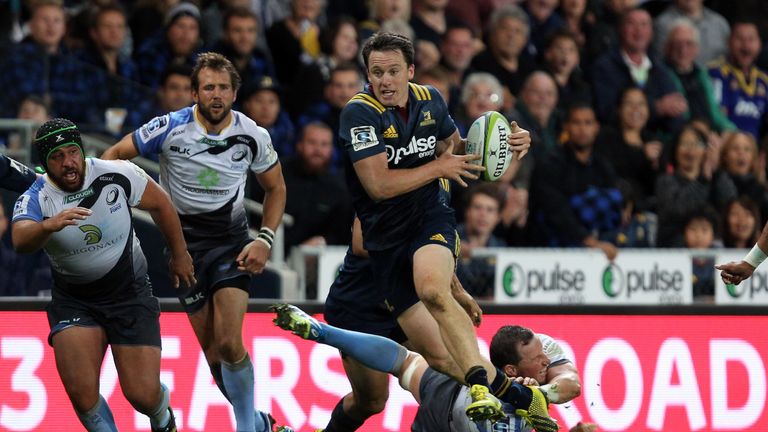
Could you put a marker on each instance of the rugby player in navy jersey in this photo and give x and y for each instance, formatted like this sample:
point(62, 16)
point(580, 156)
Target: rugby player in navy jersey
point(354, 303)
point(399, 139)
point(206, 151)
point(79, 213)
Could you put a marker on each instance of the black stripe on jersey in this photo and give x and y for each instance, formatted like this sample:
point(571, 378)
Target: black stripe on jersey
point(103, 181)
point(231, 142)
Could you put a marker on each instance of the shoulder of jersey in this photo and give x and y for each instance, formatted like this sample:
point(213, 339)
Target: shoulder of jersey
point(422, 92)
point(364, 99)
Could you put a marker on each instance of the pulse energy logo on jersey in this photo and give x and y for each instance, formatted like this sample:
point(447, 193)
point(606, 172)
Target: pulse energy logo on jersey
point(424, 147)
point(92, 234)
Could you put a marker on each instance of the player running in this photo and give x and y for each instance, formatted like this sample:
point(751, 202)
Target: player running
point(205, 153)
point(79, 213)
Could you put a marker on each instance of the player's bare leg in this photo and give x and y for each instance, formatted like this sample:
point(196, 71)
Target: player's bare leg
point(370, 391)
point(424, 337)
point(79, 352)
point(138, 368)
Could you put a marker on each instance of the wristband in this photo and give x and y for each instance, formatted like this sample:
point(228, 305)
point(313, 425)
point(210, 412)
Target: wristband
point(266, 242)
point(268, 232)
point(551, 391)
point(755, 256)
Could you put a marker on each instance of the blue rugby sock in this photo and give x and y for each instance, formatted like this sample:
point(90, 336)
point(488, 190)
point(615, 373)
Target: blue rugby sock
point(376, 352)
point(99, 418)
point(238, 381)
point(160, 416)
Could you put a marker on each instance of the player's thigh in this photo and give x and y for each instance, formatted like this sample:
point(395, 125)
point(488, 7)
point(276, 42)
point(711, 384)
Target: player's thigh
point(370, 387)
point(79, 352)
point(433, 267)
point(201, 321)
point(138, 367)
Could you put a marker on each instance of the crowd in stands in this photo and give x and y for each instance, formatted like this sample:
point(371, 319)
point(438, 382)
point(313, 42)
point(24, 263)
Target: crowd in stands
point(647, 117)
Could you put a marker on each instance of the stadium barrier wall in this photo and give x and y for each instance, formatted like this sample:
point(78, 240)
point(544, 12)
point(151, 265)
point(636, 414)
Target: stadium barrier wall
point(586, 277)
point(669, 368)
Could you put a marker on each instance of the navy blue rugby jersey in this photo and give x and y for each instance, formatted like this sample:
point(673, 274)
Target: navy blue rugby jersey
point(368, 128)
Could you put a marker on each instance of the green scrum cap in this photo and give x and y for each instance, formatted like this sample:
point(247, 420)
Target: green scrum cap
point(55, 134)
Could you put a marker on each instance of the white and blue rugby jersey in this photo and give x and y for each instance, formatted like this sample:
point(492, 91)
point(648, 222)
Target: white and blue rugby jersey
point(100, 255)
point(205, 174)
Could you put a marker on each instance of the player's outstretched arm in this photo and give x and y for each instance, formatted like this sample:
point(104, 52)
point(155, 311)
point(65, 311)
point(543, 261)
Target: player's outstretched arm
point(123, 149)
point(158, 204)
point(563, 383)
point(735, 272)
point(29, 236)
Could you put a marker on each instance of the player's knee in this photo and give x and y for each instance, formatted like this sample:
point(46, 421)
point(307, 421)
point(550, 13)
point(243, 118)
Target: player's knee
point(439, 361)
point(83, 397)
point(230, 349)
point(142, 398)
point(434, 297)
point(369, 405)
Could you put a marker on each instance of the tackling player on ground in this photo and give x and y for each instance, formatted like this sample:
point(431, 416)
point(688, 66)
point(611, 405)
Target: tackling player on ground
point(205, 153)
point(442, 400)
point(79, 213)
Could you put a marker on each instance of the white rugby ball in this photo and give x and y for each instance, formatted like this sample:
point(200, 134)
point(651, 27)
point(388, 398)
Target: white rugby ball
point(487, 137)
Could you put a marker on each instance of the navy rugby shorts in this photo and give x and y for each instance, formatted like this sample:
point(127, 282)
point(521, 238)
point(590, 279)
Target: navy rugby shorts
point(214, 269)
point(393, 268)
point(134, 321)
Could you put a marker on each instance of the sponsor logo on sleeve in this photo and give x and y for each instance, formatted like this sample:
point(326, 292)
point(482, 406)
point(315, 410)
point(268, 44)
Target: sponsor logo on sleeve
point(152, 129)
point(363, 137)
point(21, 205)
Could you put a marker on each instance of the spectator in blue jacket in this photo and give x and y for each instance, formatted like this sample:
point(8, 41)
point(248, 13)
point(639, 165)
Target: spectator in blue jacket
point(42, 65)
point(632, 65)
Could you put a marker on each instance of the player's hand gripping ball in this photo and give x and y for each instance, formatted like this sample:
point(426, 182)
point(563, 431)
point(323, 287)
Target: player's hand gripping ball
point(487, 137)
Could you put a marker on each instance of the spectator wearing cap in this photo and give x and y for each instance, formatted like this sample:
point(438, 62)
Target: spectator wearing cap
point(41, 64)
point(261, 102)
point(179, 43)
point(240, 45)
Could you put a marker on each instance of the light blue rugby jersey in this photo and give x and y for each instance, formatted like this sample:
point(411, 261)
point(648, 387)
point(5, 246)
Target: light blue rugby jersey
point(100, 254)
point(205, 174)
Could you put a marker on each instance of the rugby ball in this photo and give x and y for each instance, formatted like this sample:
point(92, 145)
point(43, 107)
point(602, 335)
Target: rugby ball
point(487, 137)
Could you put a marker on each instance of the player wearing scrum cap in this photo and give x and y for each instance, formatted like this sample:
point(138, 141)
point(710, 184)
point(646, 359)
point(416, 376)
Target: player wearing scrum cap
point(399, 140)
point(79, 213)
